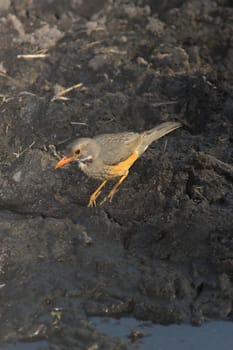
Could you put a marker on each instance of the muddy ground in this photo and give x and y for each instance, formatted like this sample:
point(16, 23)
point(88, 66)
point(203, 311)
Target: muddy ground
point(163, 249)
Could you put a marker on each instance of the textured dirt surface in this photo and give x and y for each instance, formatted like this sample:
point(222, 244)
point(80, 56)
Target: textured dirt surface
point(163, 249)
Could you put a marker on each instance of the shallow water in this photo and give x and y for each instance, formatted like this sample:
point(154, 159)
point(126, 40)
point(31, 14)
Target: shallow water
point(39, 345)
point(217, 335)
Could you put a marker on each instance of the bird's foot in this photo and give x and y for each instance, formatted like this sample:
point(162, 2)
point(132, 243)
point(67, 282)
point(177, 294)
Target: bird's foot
point(92, 203)
point(92, 200)
point(109, 197)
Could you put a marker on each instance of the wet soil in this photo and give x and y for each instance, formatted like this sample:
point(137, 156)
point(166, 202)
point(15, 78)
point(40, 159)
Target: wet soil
point(163, 249)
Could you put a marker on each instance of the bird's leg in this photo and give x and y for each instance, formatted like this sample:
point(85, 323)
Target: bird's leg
point(95, 195)
point(114, 190)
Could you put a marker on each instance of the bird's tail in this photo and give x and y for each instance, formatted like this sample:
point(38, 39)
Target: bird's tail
point(156, 133)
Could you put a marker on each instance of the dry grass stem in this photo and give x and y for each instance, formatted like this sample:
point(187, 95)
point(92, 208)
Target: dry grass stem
point(59, 95)
point(78, 123)
point(19, 154)
point(33, 56)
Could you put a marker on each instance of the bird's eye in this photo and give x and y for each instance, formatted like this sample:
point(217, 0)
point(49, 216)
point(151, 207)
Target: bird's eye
point(77, 151)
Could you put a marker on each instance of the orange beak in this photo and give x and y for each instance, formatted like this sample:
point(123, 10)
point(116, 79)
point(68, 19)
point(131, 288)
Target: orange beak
point(64, 161)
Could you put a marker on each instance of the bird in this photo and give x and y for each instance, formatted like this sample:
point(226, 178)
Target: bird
point(109, 156)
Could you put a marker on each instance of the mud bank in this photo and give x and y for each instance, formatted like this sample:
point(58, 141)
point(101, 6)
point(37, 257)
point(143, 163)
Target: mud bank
point(162, 251)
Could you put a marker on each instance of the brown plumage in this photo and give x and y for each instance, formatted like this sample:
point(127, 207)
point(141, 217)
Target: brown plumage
point(108, 156)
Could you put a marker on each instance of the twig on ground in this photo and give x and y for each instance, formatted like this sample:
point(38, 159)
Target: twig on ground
point(4, 75)
point(78, 123)
point(53, 150)
point(165, 146)
point(18, 25)
point(158, 104)
point(59, 95)
point(219, 166)
point(19, 154)
point(32, 56)
point(93, 43)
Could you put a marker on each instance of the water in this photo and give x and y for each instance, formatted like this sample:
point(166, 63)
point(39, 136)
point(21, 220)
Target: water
point(210, 336)
point(217, 335)
point(40, 345)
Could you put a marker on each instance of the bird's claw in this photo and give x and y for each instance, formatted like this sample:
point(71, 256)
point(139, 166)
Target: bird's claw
point(109, 197)
point(92, 203)
point(92, 200)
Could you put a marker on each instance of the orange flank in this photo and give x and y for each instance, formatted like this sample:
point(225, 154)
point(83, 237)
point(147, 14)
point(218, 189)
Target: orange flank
point(122, 168)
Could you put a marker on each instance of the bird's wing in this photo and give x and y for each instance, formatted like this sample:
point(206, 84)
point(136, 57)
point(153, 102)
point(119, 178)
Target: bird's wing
point(115, 148)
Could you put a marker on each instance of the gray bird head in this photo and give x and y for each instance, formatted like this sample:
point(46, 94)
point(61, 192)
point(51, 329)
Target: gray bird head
point(84, 150)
